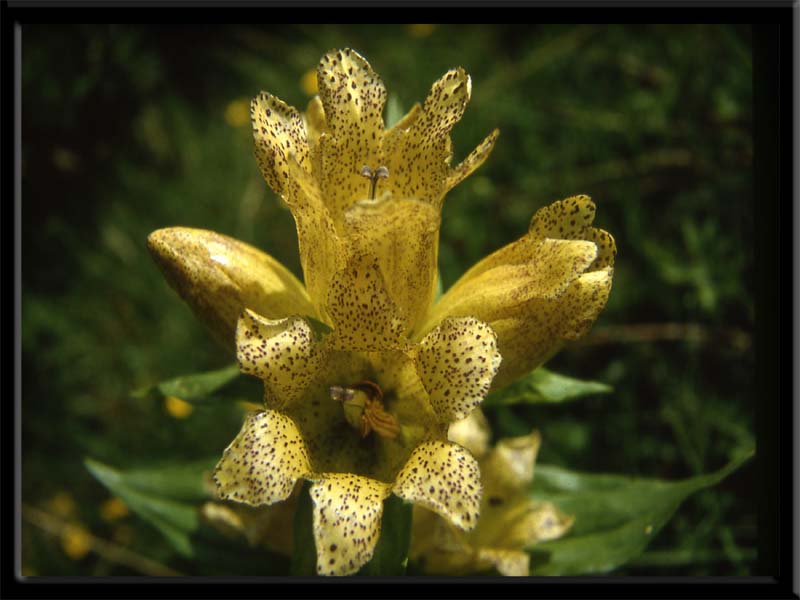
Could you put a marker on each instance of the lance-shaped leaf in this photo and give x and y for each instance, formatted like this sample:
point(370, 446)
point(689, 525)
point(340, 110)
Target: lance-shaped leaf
point(616, 517)
point(544, 386)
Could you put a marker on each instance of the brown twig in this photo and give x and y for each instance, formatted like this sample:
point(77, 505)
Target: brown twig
point(108, 550)
point(658, 332)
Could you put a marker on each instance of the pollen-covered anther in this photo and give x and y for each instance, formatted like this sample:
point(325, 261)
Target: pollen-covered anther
point(376, 419)
point(381, 172)
point(363, 409)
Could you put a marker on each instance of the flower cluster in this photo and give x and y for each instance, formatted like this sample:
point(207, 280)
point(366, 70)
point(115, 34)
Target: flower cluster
point(363, 373)
point(511, 521)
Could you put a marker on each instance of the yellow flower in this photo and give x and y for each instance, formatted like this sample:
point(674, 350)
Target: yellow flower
point(510, 520)
point(362, 374)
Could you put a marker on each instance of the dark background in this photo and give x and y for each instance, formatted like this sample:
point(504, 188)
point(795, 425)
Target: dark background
point(127, 129)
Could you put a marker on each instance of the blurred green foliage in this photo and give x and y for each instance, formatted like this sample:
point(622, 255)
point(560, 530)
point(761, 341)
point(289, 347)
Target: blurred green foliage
point(127, 129)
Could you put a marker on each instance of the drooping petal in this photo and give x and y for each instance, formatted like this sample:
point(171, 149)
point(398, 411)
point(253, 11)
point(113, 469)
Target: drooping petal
point(546, 287)
point(539, 328)
point(418, 154)
point(283, 353)
point(267, 525)
point(347, 520)
point(565, 219)
point(472, 432)
point(263, 462)
point(493, 290)
point(511, 563)
point(353, 97)
point(218, 277)
point(571, 219)
point(278, 132)
point(402, 235)
point(519, 522)
point(456, 364)
point(445, 478)
point(363, 315)
point(508, 468)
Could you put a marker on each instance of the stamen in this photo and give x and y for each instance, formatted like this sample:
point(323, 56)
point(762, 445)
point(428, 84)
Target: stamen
point(379, 173)
point(363, 409)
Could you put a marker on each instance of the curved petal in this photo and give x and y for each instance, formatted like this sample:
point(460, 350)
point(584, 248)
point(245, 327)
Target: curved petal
point(315, 121)
point(402, 236)
point(475, 159)
point(347, 521)
point(493, 290)
point(445, 478)
point(538, 328)
point(508, 467)
point(472, 432)
point(283, 353)
point(278, 132)
point(418, 156)
point(364, 317)
point(511, 563)
point(219, 276)
point(321, 250)
point(456, 363)
point(353, 97)
point(263, 462)
point(519, 522)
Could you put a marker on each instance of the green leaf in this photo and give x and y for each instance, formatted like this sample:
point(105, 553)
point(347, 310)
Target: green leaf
point(192, 388)
point(616, 517)
point(169, 497)
point(391, 551)
point(174, 518)
point(543, 386)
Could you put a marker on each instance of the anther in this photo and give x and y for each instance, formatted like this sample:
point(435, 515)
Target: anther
point(363, 409)
point(379, 173)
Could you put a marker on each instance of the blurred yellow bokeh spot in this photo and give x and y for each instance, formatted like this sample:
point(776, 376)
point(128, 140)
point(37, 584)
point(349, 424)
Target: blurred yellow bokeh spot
point(180, 409)
point(75, 541)
point(237, 113)
point(308, 82)
point(420, 30)
point(113, 509)
point(62, 504)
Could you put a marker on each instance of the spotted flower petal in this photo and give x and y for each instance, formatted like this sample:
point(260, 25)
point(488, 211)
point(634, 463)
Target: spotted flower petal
point(456, 363)
point(508, 468)
point(402, 235)
point(278, 132)
point(472, 432)
point(445, 478)
point(219, 277)
point(353, 98)
point(418, 157)
point(538, 330)
point(472, 162)
point(493, 292)
point(263, 462)
point(347, 521)
point(321, 249)
point(363, 314)
point(511, 521)
point(283, 353)
point(511, 563)
point(547, 287)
